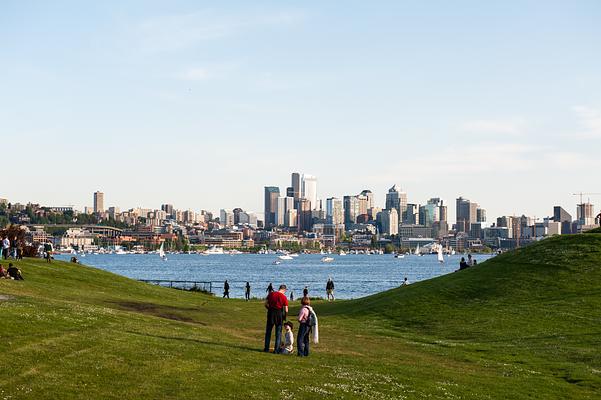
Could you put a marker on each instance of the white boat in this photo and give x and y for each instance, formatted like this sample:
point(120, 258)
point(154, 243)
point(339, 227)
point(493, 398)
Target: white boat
point(294, 255)
point(162, 253)
point(440, 256)
point(285, 257)
point(342, 253)
point(327, 259)
point(417, 252)
point(277, 262)
point(399, 256)
point(214, 250)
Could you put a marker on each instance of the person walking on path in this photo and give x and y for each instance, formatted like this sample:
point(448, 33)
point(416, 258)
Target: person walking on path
point(308, 323)
point(247, 291)
point(306, 291)
point(226, 289)
point(330, 289)
point(277, 308)
point(269, 288)
point(13, 248)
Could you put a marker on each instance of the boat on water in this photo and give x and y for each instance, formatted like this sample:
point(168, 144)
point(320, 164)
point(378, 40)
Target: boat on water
point(285, 257)
point(327, 259)
point(214, 250)
point(162, 253)
point(399, 256)
point(342, 253)
point(417, 252)
point(293, 255)
point(440, 256)
point(277, 262)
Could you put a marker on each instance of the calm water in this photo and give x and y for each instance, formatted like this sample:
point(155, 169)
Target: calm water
point(354, 275)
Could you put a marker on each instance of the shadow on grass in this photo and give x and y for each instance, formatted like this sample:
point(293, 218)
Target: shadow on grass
point(198, 341)
point(161, 311)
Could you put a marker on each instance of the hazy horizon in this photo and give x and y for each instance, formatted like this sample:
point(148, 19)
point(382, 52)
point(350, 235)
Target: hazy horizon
point(202, 105)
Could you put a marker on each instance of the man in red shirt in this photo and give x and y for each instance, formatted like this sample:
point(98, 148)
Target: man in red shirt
point(277, 308)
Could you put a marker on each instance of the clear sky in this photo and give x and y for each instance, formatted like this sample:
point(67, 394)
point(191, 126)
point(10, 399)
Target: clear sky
point(202, 104)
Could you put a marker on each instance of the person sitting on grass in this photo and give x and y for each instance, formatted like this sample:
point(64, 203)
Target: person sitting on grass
point(288, 345)
point(14, 272)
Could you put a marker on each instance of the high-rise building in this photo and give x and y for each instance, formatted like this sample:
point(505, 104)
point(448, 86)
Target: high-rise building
point(305, 217)
point(397, 199)
point(389, 220)
point(98, 202)
point(309, 189)
point(369, 196)
point(271, 199)
point(351, 210)
point(411, 214)
point(561, 215)
point(284, 204)
point(168, 208)
point(334, 211)
point(466, 215)
point(480, 215)
point(296, 185)
point(585, 214)
point(226, 218)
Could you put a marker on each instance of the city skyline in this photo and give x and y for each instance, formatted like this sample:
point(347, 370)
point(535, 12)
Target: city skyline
point(495, 102)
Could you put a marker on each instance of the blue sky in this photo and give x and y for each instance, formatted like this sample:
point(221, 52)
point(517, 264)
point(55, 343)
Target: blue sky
point(202, 104)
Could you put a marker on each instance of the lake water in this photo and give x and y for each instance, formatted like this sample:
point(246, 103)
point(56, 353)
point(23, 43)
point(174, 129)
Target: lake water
point(354, 275)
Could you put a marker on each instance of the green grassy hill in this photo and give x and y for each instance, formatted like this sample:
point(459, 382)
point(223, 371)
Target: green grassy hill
point(523, 325)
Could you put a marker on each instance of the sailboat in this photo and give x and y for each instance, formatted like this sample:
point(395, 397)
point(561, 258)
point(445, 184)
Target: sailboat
point(417, 252)
point(162, 253)
point(440, 256)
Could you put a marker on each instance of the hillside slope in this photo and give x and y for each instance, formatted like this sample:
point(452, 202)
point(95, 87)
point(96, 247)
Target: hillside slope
point(522, 325)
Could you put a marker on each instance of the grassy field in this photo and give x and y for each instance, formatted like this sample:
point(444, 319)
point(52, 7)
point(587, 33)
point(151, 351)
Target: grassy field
point(522, 325)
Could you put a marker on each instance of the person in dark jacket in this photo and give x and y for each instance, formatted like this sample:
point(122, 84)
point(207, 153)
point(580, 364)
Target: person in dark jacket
point(226, 289)
point(463, 264)
point(247, 291)
point(269, 288)
point(14, 272)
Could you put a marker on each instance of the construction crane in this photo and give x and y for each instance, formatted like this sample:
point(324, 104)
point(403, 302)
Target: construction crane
point(585, 194)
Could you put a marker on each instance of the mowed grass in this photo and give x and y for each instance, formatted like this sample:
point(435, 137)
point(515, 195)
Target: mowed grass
point(522, 325)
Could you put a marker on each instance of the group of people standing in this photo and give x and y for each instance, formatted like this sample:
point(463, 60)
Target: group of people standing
point(329, 290)
point(11, 249)
point(276, 304)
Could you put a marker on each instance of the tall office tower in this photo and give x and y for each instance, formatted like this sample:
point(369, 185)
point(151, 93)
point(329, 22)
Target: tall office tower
point(351, 210)
point(443, 212)
point(397, 199)
point(561, 215)
point(290, 192)
point(585, 214)
point(389, 220)
point(393, 198)
point(506, 222)
point(480, 215)
point(226, 217)
point(237, 211)
point(296, 185)
point(98, 202)
point(428, 214)
point(305, 218)
point(370, 198)
point(168, 208)
point(334, 211)
point(466, 214)
point(564, 218)
point(411, 214)
point(284, 204)
point(363, 204)
point(309, 189)
point(271, 200)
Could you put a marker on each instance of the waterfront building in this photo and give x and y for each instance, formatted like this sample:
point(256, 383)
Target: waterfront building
point(309, 189)
point(98, 202)
point(271, 198)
